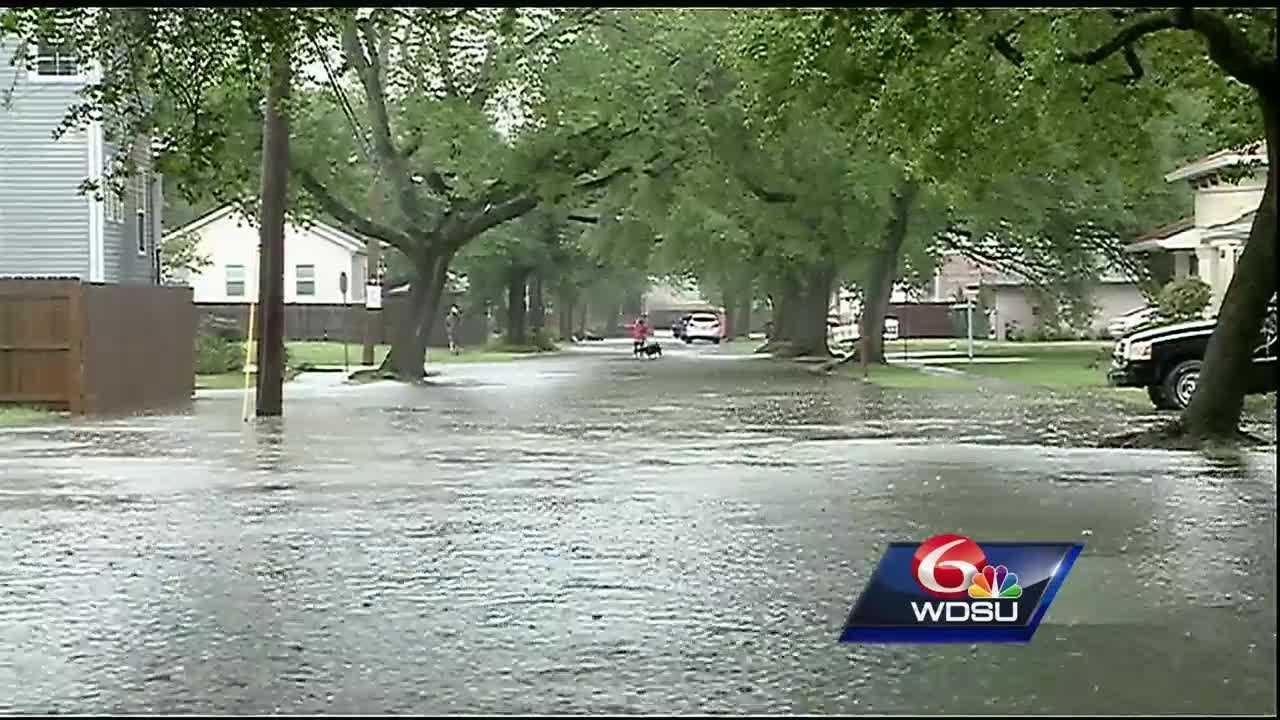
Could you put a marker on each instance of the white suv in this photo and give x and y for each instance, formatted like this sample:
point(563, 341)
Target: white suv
point(702, 326)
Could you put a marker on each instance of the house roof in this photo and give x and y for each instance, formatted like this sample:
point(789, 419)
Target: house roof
point(1168, 230)
point(1178, 235)
point(1236, 230)
point(1255, 151)
point(324, 231)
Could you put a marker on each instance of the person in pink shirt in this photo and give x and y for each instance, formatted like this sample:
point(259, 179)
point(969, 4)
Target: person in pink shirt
point(640, 332)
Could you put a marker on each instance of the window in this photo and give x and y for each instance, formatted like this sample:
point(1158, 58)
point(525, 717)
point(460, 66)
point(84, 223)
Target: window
point(1193, 266)
point(144, 207)
point(306, 280)
point(54, 61)
point(235, 281)
point(114, 203)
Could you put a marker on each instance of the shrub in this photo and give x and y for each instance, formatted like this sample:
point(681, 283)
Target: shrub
point(215, 355)
point(1184, 299)
point(541, 339)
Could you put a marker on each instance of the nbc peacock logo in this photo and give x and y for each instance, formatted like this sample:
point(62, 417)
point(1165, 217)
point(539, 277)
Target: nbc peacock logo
point(995, 583)
point(951, 588)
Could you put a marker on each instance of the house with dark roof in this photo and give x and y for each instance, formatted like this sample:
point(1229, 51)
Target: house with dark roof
point(315, 257)
point(1228, 187)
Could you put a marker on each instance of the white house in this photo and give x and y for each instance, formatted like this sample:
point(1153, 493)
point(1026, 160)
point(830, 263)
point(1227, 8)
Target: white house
point(315, 257)
point(1209, 244)
point(1015, 303)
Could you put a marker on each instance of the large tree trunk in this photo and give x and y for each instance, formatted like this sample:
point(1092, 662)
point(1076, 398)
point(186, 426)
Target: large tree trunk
point(409, 351)
point(582, 319)
point(274, 201)
point(809, 324)
point(729, 300)
point(881, 275)
point(785, 308)
point(516, 315)
point(537, 309)
point(1215, 407)
point(565, 304)
point(744, 316)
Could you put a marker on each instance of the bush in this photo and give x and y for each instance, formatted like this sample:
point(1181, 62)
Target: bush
point(1184, 299)
point(541, 339)
point(216, 355)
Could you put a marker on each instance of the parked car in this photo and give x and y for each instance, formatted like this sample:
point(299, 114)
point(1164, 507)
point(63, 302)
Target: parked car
point(1124, 324)
point(1166, 360)
point(677, 327)
point(702, 326)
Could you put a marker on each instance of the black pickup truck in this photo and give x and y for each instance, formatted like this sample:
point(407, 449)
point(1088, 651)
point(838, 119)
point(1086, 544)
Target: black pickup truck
point(1166, 360)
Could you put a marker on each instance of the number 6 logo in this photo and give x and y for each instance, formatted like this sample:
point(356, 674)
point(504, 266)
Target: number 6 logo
point(944, 565)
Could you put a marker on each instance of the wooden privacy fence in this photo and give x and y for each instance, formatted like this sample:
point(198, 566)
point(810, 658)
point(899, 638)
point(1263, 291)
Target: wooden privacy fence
point(95, 348)
point(335, 322)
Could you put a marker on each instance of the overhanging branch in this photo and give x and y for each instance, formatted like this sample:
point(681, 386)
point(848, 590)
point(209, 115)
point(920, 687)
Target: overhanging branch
point(342, 213)
point(1228, 47)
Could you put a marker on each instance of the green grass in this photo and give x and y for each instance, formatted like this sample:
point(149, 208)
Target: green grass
point(901, 376)
point(1048, 367)
point(15, 415)
point(321, 352)
point(223, 381)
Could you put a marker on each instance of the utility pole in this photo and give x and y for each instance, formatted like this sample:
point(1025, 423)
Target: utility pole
point(372, 297)
point(271, 215)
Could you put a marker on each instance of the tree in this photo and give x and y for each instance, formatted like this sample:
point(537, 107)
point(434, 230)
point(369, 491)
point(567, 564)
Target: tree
point(429, 82)
point(216, 53)
point(976, 156)
point(1231, 53)
point(180, 257)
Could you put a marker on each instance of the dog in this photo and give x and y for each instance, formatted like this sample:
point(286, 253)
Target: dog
point(649, 351)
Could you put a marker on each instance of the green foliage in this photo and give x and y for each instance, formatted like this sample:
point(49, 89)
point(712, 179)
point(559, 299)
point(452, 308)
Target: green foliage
point(180, 255)
point(1184, 299)
point(216, 355)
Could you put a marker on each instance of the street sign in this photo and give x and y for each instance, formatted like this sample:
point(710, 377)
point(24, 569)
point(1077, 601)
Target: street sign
point(373, 296)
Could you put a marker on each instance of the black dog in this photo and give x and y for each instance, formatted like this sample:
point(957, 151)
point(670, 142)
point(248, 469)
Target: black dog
point(650, 350)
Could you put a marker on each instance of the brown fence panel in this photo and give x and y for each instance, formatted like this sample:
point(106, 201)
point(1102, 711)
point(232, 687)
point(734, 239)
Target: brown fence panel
point(314, 321)
point(139, 349)
point(39, 342)
point(923, 320)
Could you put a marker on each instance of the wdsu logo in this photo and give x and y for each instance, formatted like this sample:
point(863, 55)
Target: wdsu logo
point(952, 589)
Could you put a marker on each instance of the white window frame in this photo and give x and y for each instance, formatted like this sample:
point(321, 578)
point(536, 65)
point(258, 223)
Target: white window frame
point(226, 281)
point(113, 203)
point(298, 279)
point(143, 213)
point(34, 75)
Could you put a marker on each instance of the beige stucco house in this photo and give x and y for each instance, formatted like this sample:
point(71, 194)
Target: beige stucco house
point(1013, 305)
point(1209, 243)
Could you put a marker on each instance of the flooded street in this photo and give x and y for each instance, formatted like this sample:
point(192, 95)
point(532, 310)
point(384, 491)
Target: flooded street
point(595, 533)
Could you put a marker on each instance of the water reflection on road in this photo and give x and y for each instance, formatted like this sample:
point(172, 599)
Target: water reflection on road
point(597, 533)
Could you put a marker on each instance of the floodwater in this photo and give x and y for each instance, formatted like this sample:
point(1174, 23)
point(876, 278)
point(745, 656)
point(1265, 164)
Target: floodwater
point(595, 533)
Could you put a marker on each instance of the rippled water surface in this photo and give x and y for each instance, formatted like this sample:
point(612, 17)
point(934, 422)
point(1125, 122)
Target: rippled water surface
point(592, 533)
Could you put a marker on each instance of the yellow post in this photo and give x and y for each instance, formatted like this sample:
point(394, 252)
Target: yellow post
point(248, 356)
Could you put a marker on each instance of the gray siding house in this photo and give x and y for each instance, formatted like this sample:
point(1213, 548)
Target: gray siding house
point(48, 226)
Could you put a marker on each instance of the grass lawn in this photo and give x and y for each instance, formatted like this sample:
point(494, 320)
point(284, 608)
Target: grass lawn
point(15, 415)
point(320, 352)
point(901, 376)
point(1046, 366)
point(223, 381)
